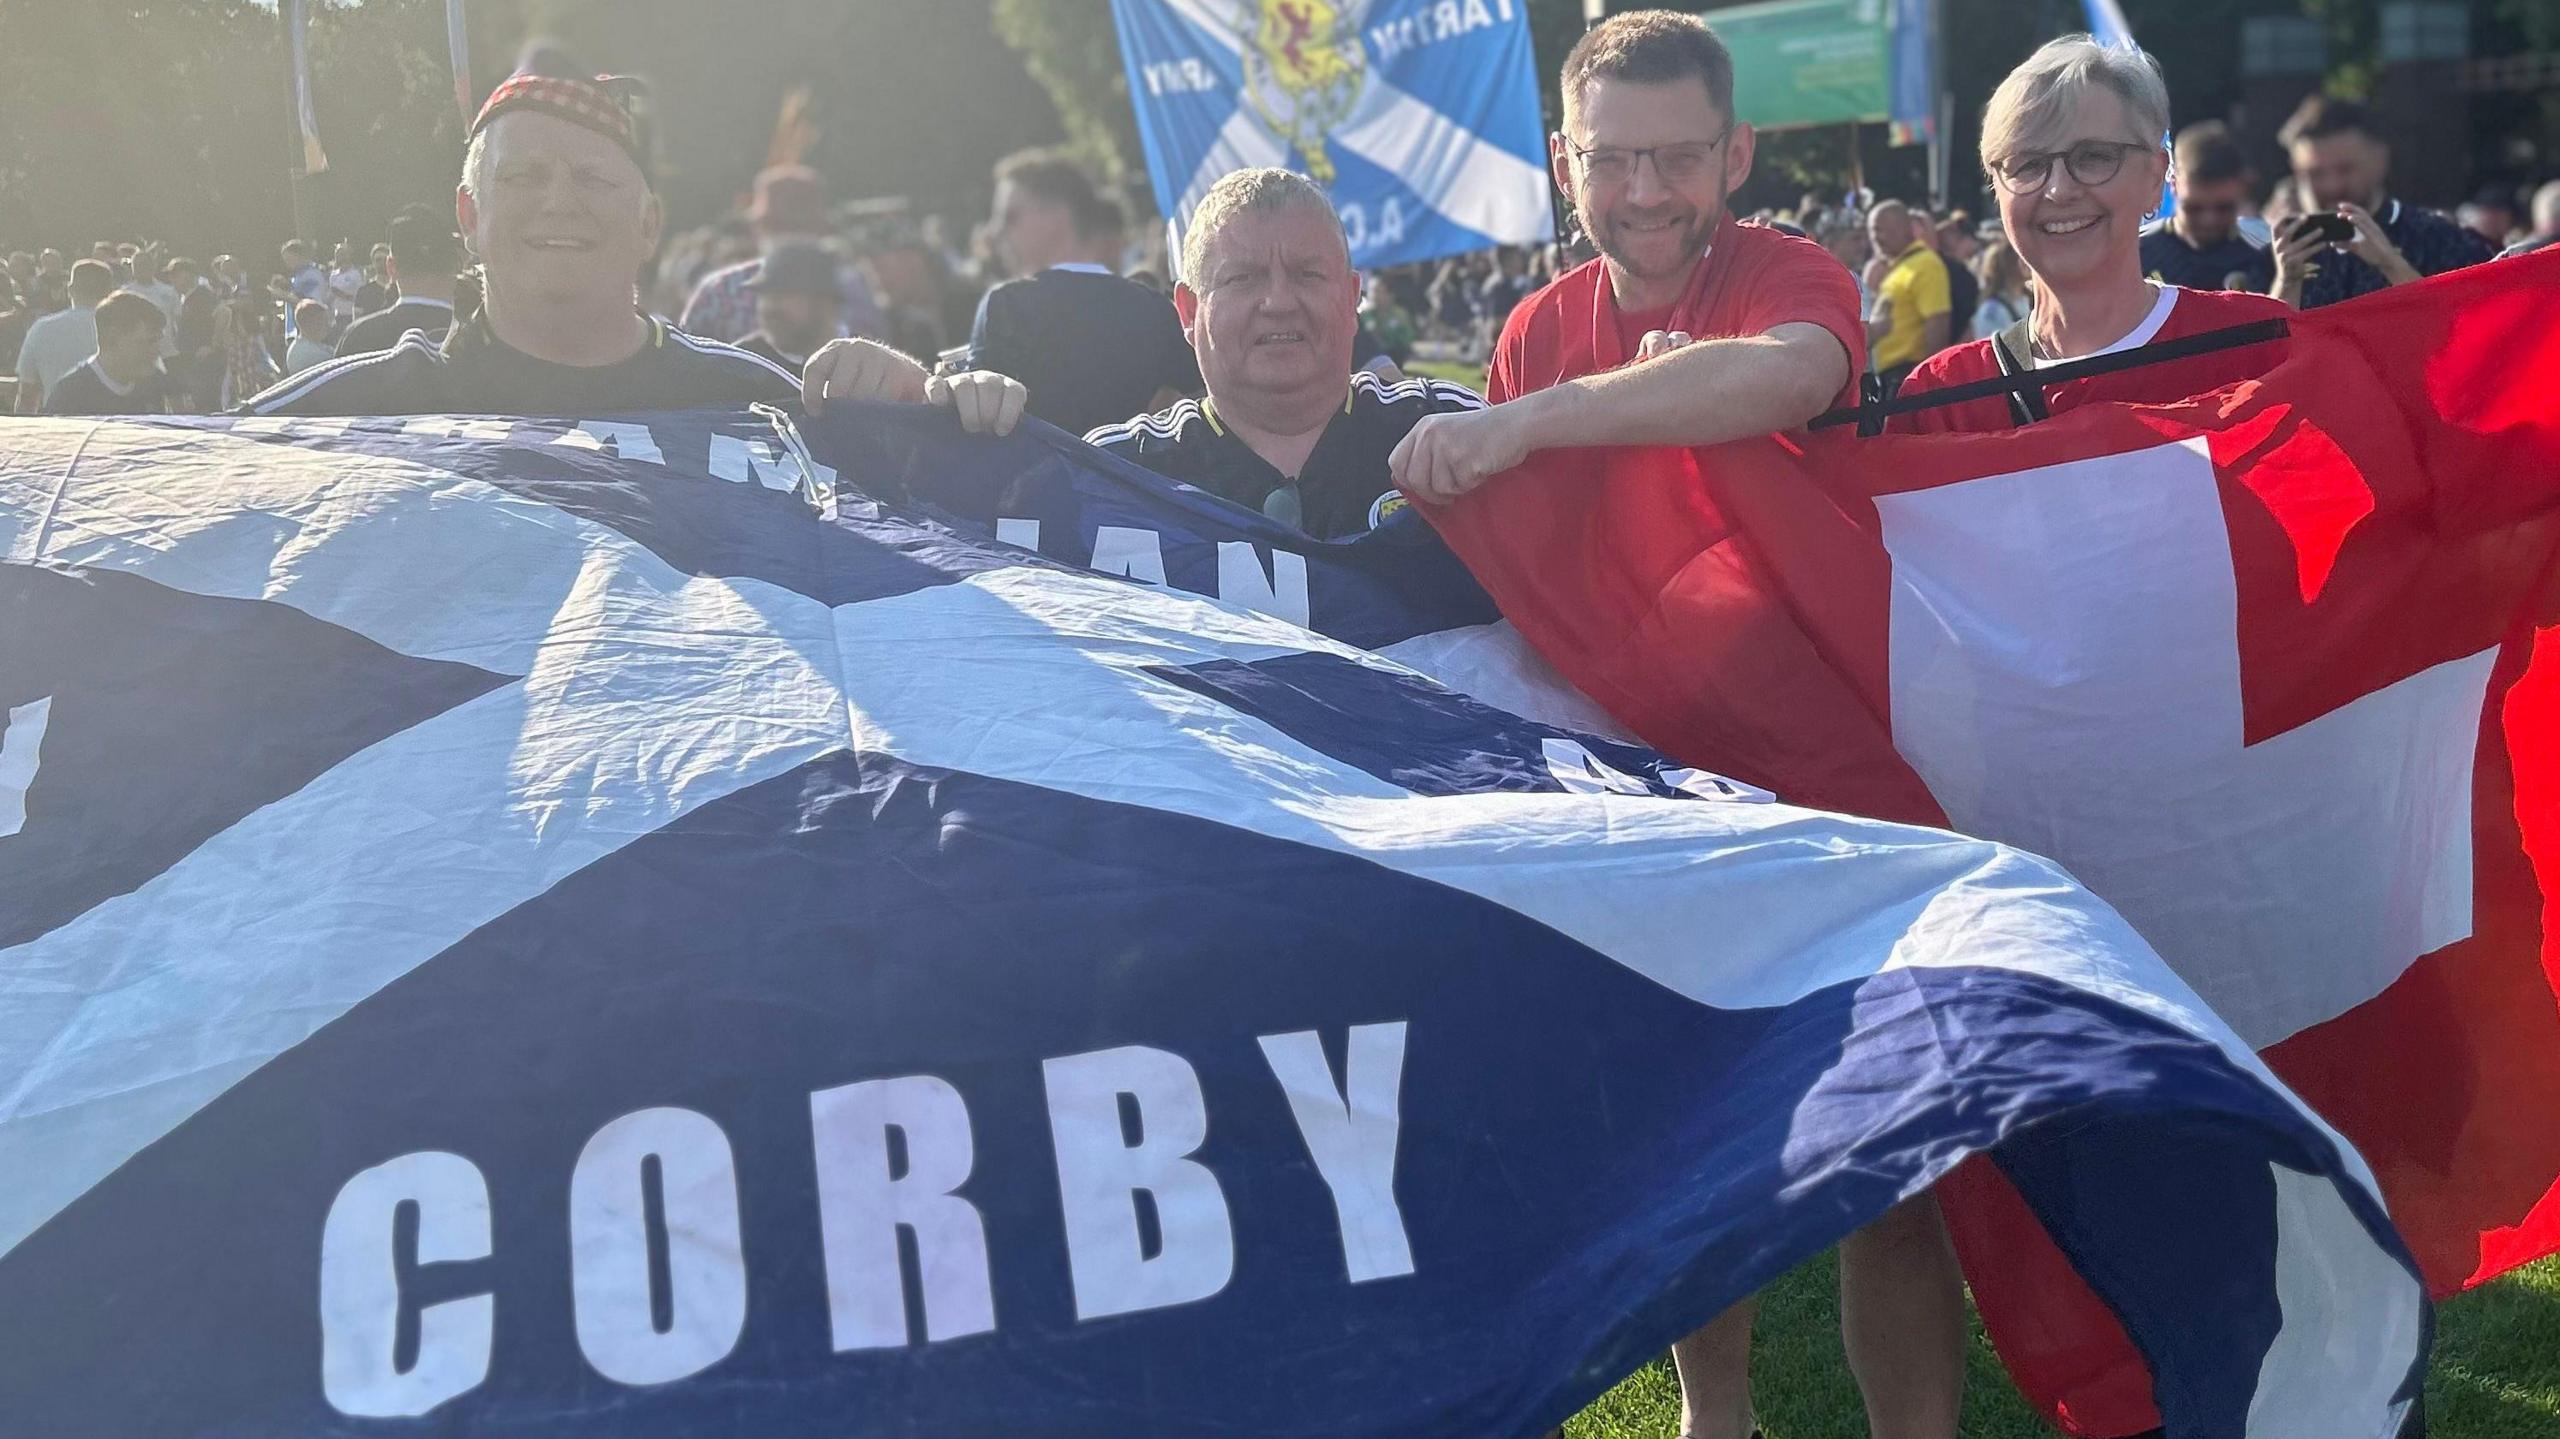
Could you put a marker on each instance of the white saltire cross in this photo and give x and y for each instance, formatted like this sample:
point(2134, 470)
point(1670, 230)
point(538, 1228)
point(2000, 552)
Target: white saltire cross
point(640, 693)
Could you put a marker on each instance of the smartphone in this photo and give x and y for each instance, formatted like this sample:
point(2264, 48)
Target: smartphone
point(2334, 228)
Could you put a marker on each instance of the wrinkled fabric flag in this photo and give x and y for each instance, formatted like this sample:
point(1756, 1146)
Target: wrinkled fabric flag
point(524, 923)
point(2270, 671)
point(1395, 589)
point(1418, 117)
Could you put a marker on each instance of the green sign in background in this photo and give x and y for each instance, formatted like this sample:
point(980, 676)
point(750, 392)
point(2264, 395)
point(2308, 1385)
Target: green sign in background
point(1806, 62)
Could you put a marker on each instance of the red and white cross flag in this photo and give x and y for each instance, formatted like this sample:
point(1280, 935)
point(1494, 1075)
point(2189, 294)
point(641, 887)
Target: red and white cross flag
point(2274, 671)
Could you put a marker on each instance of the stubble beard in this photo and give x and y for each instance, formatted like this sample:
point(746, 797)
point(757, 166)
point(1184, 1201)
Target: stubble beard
point(1693, 243)
point(1694, 240)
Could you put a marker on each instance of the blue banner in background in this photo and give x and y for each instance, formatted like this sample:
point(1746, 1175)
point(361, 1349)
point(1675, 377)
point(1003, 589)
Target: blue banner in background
point(1419, 117)
point(1912, 77)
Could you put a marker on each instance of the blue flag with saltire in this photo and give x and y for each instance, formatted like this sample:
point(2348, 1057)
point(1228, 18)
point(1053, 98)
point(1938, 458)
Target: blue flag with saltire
point(1395, 589)
point(612, 926)
point(1419, 117)
point(2107, 24)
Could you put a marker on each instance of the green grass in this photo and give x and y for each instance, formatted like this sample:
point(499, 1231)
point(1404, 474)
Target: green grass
point(1471, 376)
point(2496, 1373)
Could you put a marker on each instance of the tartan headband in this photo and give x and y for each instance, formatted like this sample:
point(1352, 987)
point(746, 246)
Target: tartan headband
point(594, 104)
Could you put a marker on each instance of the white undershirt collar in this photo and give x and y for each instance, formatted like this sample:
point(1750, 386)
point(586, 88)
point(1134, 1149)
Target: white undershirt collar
point(2139, 335)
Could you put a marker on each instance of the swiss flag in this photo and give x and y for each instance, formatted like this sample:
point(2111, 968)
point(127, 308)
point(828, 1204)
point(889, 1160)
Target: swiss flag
point(2271, 670)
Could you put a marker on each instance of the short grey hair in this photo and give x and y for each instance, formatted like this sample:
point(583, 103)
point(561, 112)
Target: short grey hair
point(2546, 208)
point(2032, 108)
point(1262, 191)
point(475, 162)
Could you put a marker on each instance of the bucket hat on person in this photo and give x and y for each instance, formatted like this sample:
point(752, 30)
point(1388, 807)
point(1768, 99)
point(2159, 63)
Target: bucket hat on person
point(796, 269)
point(790, 200)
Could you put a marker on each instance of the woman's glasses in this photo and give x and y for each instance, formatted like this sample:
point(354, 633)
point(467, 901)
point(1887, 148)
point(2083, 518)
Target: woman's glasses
point(2089, 162)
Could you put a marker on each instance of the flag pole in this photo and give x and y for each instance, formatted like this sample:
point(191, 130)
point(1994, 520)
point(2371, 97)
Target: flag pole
point(1942, 114)
point(298, 42)
point(457, 41)
point(287, 22)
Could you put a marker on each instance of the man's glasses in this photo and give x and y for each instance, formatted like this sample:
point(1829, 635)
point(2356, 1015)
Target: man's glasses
point(1676, 164)
point(2090, 162)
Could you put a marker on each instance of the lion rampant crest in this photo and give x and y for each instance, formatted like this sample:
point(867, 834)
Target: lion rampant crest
point(1303, 69)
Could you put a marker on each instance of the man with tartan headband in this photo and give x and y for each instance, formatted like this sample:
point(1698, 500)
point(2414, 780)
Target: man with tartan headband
point(557, 206)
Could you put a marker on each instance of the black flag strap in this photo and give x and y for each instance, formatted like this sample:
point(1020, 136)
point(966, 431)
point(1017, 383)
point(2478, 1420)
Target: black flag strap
point(1869, 415)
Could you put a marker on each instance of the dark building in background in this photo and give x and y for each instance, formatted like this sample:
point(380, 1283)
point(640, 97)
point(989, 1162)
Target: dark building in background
point(2282, 59)
point(2417, 92)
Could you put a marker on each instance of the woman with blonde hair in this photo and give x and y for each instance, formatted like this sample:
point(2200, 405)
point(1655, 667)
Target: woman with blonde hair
point(2004, 289)
point(2072, 141)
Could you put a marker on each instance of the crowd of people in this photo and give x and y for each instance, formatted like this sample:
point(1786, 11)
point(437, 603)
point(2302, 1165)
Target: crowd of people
point(1269, 372)
point(2327, 230)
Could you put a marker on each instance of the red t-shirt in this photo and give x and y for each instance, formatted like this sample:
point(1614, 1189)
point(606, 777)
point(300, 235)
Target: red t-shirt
point(2190, 312)
point(1634, 325)
point(1752, 280)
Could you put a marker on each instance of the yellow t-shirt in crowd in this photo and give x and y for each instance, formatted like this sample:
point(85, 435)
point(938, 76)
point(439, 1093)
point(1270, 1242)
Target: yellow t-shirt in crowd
point(1913, 290)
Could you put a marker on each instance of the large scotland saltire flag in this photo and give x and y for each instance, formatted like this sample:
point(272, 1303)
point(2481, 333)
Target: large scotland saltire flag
point(1396, 590)
point(1419, 117)
point(604, 926)
point(2271, 671)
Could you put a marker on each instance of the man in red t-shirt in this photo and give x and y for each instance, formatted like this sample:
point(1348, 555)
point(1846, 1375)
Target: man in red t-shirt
point(1751, 330)
point(1692, 330)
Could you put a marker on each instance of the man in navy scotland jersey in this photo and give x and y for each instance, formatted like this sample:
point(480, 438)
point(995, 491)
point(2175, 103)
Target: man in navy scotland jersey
point(1270, 303)
point(2342, 166)
point(424, 257)
point(124, 376)
point(1091, 345)
point(2201, 245)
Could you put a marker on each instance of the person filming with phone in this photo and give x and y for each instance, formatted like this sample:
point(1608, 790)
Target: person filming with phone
point(2353, 238)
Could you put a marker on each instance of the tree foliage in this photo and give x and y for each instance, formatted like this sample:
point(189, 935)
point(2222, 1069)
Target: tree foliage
point(172, 118)
point(912, 99)
point(143, 114)
point(1073, 50)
